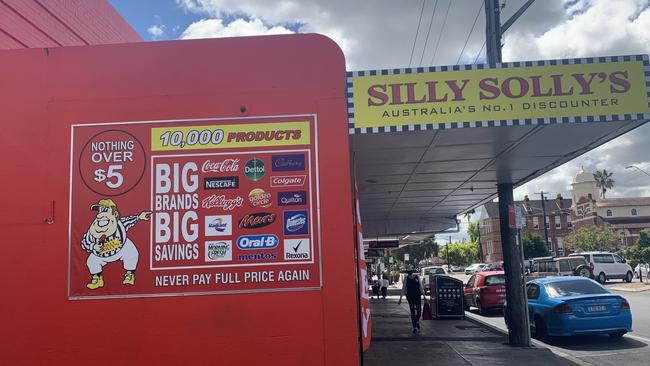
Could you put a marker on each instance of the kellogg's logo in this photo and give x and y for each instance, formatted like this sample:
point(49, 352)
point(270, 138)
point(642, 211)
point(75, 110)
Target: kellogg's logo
point(227, 165)
point(259, 198)
point(295, 223)
point(292, 198)
point(285, 163)
point(256, 220)
point(220, 201)
point(288, 181)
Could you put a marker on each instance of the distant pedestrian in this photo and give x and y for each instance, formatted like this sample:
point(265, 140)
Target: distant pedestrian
point(413, 290)
point(384, 287)
point(375, 288)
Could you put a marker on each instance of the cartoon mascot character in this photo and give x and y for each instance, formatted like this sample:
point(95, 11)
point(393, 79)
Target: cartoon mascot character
point(106, 242)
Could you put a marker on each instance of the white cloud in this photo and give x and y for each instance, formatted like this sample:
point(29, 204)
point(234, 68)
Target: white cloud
point(214, 28)
point(156, 31)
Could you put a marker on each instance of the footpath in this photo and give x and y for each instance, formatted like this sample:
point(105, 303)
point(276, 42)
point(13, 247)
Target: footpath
point(443, 342)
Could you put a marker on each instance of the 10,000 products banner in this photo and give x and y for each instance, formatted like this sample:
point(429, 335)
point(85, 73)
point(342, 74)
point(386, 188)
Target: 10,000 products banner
point(193, 207)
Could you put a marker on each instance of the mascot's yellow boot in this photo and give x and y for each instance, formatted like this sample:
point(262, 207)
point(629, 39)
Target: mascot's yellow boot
point(129, 278)
point(96, 282)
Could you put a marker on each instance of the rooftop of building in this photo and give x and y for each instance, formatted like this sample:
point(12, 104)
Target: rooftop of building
point(533, 207)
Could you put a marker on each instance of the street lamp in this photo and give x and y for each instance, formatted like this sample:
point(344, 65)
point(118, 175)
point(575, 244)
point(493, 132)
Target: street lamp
point(637, 168)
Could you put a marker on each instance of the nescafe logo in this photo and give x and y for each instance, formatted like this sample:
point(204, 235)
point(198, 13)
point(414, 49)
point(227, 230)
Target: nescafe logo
point(256, 220)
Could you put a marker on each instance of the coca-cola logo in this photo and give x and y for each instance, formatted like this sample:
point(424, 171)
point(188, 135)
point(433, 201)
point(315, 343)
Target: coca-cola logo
point(288, 181)
point(225, 166)
point(256, 220)
point(221, 201)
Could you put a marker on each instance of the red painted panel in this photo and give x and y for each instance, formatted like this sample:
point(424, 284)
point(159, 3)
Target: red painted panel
point(16, 25)
point(42, 19)
point(8, 43)
point(47, 92)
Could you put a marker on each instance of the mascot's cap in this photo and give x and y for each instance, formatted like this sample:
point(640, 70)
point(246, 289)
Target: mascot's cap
point(106, 202)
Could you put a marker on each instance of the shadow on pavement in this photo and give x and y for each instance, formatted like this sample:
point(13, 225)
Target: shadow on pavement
point(595, 343)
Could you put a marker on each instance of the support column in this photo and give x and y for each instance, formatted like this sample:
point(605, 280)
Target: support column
point(493, 32)
point(518, 327)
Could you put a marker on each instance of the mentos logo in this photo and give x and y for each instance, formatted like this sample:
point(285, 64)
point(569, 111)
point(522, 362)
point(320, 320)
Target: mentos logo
point(295, 223)
point(264, 241)
point(285, 163)
point(292, 198)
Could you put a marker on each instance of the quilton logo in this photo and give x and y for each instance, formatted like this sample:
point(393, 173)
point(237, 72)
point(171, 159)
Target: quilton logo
point(220, 182)
point(218, 251)
point(256, 220)
point(292, 198)
point(263, 241)
point(286, 163)
point(288, 181)
point(218, 225)
point(297, 249)
point(295, 223)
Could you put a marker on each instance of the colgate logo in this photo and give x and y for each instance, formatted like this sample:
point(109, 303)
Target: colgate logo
point(288, 181)
point(225, 166)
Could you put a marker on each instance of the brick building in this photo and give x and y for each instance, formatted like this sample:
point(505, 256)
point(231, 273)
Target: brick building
point(558, 225)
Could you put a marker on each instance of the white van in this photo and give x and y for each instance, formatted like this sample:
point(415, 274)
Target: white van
point(606, 266)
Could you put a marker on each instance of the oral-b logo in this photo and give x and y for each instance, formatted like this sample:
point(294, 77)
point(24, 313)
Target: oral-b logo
point(264, 241)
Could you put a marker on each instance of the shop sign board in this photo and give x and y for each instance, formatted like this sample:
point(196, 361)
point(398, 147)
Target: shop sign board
point(517, 93)
point(193, 207)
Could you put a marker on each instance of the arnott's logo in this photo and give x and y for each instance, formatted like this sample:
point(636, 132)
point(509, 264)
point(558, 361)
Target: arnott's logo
point(256, 220)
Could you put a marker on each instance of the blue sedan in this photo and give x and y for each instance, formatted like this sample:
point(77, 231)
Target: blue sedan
point(567, 306)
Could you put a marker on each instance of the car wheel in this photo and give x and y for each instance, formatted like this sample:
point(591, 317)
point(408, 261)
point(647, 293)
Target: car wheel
point(541, 331)
point(628, 277)
point(583, 271)
point(618, 334)
point(466, 307)
point(481, 310)
point(602, 278)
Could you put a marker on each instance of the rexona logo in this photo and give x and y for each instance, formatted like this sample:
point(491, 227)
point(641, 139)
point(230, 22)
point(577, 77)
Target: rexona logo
point(296, 249)
point(292, 198)
point(295, 223)
point(218, 251)
point(256, 220)
point(218, 225)
point(288, 181)
point(220, 182)
point(225, 166)
point(286, 163)
point(254, 169)
point(259, 198)
point(263, 241)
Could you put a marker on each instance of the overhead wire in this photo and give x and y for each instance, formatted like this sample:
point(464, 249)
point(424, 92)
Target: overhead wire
point(442, 28)
point(470, 33)
point(426, 41)
point(479, 53)
point(417, 32)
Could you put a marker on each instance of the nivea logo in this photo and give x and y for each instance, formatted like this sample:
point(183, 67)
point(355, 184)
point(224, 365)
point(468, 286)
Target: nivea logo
point(263, 241)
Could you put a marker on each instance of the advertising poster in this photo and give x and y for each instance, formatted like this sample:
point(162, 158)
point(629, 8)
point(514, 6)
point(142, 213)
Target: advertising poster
point(209, 206)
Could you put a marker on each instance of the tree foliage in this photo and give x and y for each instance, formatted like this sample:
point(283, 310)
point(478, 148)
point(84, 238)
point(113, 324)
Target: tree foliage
point(417, 252)
point(592, 238)
point(473, 231)
point(534, 245)
point(462, 254)
point(604, 181)
point(640, 253)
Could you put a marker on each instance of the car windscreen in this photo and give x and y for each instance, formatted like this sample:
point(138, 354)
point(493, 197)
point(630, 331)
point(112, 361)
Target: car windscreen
point(439, 271)
point(573, 288)
point(495, 280)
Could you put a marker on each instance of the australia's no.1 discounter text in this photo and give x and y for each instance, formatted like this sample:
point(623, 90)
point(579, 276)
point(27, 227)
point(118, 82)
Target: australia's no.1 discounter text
point(193, 207)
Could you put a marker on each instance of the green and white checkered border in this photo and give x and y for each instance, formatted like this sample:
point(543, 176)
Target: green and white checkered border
point(491, 123)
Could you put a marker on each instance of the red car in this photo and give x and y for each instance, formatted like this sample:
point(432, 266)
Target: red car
point(485, 291)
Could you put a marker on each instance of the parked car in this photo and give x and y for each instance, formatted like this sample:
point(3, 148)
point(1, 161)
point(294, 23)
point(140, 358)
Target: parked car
point(559, 266)
point(424, 275)
point(456, 269)
point(474, 268)
point(485, 291)
point(494, 266)
point(606, 266)
point(568, 306)
point(641, 270)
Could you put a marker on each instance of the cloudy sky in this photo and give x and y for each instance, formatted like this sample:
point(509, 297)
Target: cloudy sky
point(387, 33)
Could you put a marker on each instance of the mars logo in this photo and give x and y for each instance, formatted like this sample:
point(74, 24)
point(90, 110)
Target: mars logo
point(217, 251)
point(295, 223)
point(256, 220)
point(285, 163)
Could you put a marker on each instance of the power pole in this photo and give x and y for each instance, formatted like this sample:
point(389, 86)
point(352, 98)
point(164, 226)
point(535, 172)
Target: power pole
point(544, 220)
point(517, 310)
point(448, 253)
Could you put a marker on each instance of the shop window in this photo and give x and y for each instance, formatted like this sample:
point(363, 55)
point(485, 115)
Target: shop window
point(634, 213)
point(609, 212)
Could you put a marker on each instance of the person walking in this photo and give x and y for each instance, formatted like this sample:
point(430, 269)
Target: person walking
point(414, 292)
point(384, 287)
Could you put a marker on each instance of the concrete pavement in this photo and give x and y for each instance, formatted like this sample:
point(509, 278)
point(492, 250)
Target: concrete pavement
point(443, 342)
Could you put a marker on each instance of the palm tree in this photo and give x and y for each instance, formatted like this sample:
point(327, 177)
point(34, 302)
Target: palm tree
point(604, 181)
point(468, 214)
